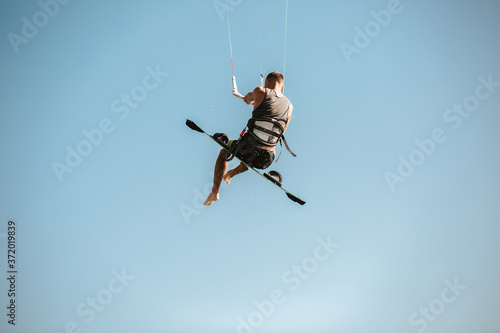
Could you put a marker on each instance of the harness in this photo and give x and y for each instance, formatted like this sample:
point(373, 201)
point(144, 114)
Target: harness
point(268, 132)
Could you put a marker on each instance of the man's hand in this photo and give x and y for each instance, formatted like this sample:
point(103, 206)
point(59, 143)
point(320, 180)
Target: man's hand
point(255, 97)
point(249, 98)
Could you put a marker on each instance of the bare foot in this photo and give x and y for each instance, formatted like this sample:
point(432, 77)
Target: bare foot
point(211, 199)
point(227, 177)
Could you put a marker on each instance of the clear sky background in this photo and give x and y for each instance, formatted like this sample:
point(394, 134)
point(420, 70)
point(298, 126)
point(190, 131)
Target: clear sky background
point(419, 255)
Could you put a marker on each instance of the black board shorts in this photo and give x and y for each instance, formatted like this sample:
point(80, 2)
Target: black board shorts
point(250, 153)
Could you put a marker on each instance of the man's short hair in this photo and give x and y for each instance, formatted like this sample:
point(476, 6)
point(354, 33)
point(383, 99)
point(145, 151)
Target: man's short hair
point(275, 77)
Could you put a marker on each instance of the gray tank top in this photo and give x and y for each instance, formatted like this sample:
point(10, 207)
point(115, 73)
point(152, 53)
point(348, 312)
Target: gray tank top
point(274, 106)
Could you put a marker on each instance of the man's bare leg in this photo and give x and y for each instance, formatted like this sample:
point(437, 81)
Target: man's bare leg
point(236, 171)
point(220, 169)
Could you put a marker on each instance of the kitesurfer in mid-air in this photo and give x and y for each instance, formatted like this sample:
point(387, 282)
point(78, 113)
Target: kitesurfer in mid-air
point(270, 118)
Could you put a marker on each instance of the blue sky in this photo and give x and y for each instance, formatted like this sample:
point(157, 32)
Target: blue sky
point(393, 238)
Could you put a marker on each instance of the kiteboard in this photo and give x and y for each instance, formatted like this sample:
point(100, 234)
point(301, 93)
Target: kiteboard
point(273, 177)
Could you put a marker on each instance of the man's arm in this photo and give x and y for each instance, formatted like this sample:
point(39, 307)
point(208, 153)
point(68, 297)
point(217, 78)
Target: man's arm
point(255, 97)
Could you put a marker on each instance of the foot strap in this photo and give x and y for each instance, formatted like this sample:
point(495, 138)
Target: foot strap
point(275, 177)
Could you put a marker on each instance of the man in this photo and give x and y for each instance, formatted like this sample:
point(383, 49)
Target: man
point(271, 113)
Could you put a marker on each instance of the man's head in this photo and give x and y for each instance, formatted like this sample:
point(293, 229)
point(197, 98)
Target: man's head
point(275, 80)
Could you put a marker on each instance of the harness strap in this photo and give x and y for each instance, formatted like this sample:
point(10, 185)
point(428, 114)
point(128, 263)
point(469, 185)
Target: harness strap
point(286, 146)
